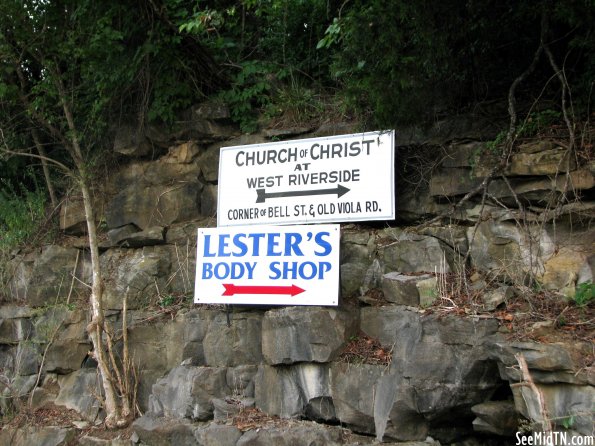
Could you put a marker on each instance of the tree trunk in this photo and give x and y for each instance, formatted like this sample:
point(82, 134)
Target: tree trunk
point(45, 167)
point(97, 323)
point(96, 327)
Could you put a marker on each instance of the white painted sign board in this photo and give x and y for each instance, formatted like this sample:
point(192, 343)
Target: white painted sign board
point(268, 265)
point(318, 180)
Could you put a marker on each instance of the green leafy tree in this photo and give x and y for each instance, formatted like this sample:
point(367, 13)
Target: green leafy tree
point(265, 46)
point(66, 68)
point(407, 61)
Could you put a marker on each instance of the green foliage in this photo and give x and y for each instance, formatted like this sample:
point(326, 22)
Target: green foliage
point(167, 300)
point(332, 35)
point(266, 43)
point(495, 146)
point(585, 294)
point(114, 60)
point(21, 212)
point(385, 53)
point(296, 103)
point(415, 61)
point(249, 92)
point(537, 122)
point(568, 422)
point(534, 125)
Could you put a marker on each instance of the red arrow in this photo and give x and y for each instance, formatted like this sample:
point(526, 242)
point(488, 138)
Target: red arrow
point(231, 289)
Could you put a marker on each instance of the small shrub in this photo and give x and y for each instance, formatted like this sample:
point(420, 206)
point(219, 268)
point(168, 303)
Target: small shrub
point(585, 294)
point(21, 212)
point(538, 122)
point(249, 93)
point(568, 422)
point(295, 104)
point(167, 301)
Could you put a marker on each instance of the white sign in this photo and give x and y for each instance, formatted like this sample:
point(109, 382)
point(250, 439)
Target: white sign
point(318, 180)
point(268, 265)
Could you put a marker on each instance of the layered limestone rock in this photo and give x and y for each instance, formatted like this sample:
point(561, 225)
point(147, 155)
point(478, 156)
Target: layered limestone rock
point(200, 364)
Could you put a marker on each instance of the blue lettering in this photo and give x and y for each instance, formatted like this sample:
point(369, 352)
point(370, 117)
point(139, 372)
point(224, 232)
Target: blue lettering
point(311, 266)
point(292, 243)
point(221, 270)
point(324, 267)
point(323, 244)
point(290, 269)
point(256, 243)
point(250, 267)
point(222, 245)
point(207, 247)
point(207, 270)
point(294, 270)
point(273, 243)
point(233, 270)
point(240, 244)
point(237, 270)
point(276, 272)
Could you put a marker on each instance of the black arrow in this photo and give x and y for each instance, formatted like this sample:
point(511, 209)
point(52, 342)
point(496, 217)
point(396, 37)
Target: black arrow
point(263, 195)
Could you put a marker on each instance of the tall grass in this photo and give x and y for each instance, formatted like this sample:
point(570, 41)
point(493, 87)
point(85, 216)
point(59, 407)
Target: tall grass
point(21, 213)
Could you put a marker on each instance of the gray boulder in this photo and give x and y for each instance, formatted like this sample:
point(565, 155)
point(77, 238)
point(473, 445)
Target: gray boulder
point(304, 433)
point(73, 220)
point(240, 380)
point(401, 289)
point(159, 431)
point(539, 357)
point(78, 392)
point(408, 253)
point(505, 251)
point(154, 235)
point(496, 417)
point(217, 435)
point(33, 435)
point(395, 412)
point(565, 404)
point(357, 246)
point(65, 331)
point(131, 140)
point(386, 323)
point(297, 390)
point(452, 182)
point(352, 389)
point(51, 280)
point(14, 330)
point(156, 193)
point(208, 200)
point(441, 368)
point(298, 334)
point(187, 392)
point(566, 390)
point(139, 275)
point(236, 344)
point(154, 205)
point(352, 278)
point(117, 235)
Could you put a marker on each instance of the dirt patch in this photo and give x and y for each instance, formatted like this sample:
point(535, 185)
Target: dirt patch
point(253, 418)
point(59, 416)
point(48, 415)
point(539, 316)
point(362, 349)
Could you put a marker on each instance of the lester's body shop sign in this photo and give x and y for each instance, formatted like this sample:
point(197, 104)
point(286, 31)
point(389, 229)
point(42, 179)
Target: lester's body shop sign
point(268, 265)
